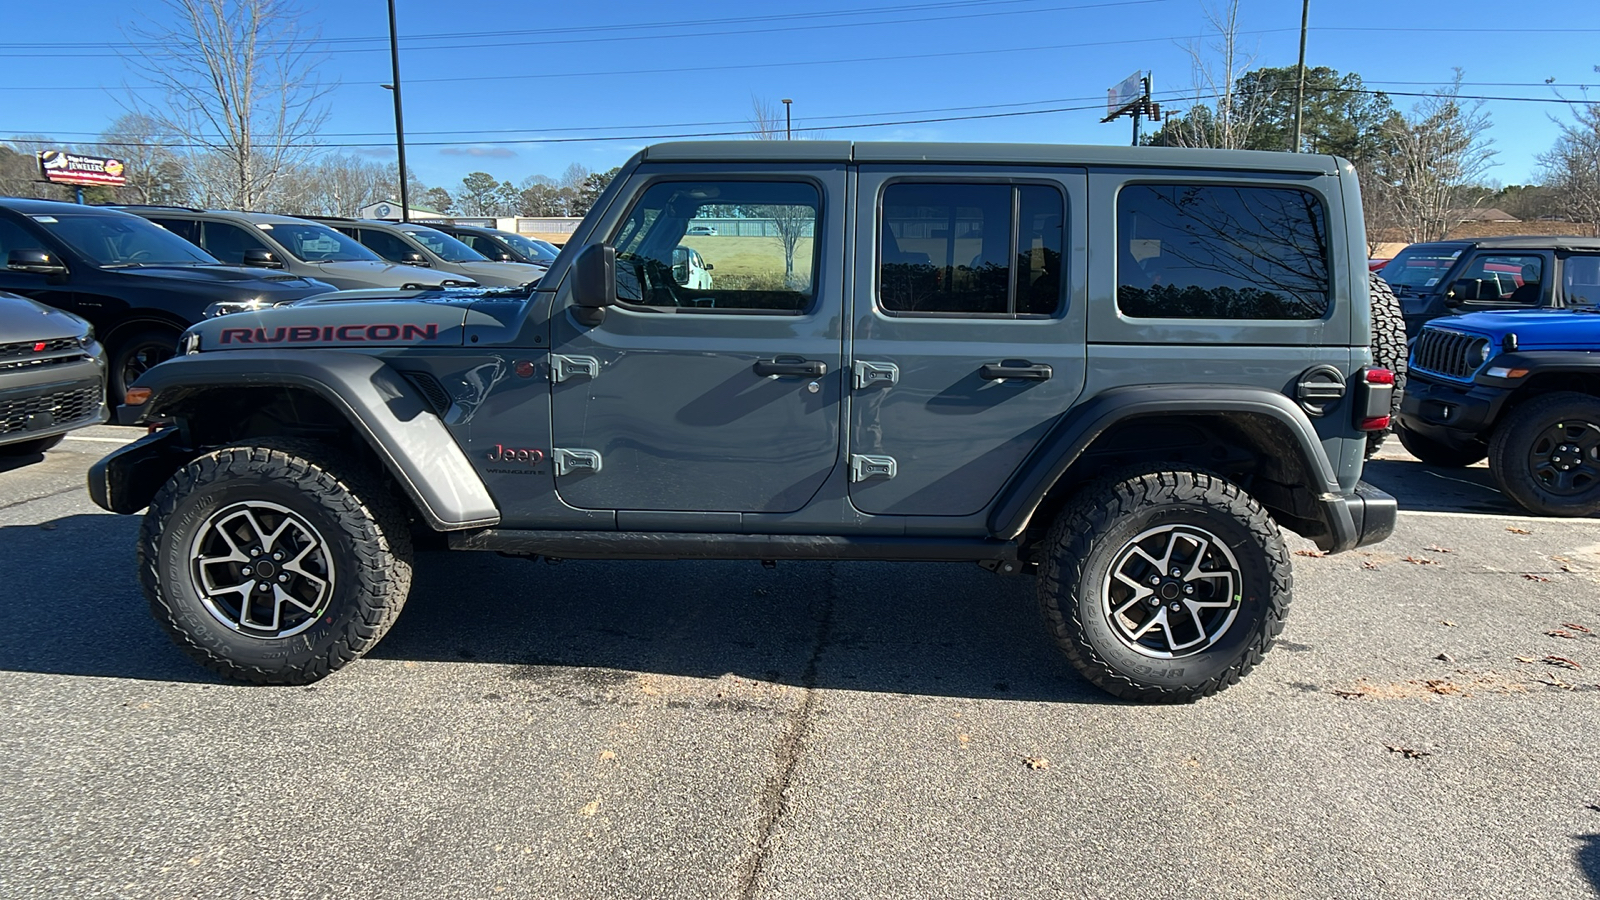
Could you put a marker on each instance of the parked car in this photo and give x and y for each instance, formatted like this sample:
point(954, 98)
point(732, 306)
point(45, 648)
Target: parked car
point(52, 375)
point(700, 230)
point(1011, 358)
point(1444, 278)
point(1374, 265)
point(137, 283)
point(690, 269)
point(297, 246)
point(500, 246)
point(420, 245)
point(1521, 388)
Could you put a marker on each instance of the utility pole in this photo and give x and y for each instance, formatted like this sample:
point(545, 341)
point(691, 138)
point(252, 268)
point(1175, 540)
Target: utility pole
point(788, 122)
point(399, 121)
point(1300, 92)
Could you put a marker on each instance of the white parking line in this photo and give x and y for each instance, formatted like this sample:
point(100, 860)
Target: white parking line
point(1446, 514)
point(99, 440)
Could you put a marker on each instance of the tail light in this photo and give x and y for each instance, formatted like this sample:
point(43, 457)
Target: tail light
point(1374, 405)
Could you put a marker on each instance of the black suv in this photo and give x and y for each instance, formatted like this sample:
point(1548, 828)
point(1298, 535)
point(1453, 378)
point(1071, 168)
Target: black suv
point(1445, 278)
point(137, 283)
point(503, 246)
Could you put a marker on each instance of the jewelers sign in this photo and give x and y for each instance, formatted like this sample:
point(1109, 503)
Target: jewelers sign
point(61, 167)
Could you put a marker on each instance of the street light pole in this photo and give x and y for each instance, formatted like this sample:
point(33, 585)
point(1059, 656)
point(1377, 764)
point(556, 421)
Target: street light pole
point(788, 123)
point(399, 121)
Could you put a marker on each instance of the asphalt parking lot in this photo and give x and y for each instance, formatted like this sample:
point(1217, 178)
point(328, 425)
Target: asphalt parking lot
point(1427, 727)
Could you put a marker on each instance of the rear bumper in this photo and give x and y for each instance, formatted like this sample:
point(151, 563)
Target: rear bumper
point(44, 402)
point(1370, 513)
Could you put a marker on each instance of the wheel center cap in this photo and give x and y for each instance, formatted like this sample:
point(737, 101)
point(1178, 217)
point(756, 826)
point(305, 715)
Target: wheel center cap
point(265, 569)
point(1169, 590)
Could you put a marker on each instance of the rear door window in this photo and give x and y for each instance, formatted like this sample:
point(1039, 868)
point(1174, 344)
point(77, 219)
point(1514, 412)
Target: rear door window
point(1199, 251)
point(1580, 280)
point(385, 245)
point(1501, 278)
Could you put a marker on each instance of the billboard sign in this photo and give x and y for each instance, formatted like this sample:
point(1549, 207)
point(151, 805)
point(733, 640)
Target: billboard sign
point(1125, 94)
point(61, 167)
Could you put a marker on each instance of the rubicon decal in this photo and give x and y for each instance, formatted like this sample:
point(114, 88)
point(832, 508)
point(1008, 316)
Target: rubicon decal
point(328, 334)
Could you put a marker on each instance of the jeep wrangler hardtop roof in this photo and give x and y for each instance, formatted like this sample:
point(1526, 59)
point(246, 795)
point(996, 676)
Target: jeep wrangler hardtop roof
point(1006, 154)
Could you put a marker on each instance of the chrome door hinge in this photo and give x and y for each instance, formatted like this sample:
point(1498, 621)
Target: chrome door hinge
point(564, 367)
point(863, 467)
point(869, 373)
point(568, 461)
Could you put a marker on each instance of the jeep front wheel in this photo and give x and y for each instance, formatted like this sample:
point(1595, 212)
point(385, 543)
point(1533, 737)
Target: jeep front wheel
point(1164, 586)
point(275, 563)
point(1546, 455)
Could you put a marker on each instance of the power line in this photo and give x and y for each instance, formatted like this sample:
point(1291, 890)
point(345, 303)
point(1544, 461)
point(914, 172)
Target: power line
point(412, 45)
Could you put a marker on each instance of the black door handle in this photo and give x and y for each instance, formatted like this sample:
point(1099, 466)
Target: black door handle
point(1024, 370)
point(811, 367)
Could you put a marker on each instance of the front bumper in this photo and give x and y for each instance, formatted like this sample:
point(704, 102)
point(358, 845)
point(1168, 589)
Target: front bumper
point(1448, 413)
point(50, 400)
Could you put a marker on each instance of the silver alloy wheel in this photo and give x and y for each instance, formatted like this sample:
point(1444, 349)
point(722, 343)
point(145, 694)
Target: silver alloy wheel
point(1172, 591)
point(261, 569)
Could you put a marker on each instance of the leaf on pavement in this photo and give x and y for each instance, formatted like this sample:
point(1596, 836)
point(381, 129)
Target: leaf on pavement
point(1563, 662)
point(1036, 762)
point(1576, 627)
point(1524, 659)
point(1534, 577)
point(1409, 752)
point(1421, 561)
point(1515, 530)
point(1368, 564)
point(1435, 548)
point(1561, 634)
point(1448, 622)
point(1311, 553)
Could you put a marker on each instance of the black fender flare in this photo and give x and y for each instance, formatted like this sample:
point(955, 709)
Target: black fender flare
point(378, 402)
point(1078, 430)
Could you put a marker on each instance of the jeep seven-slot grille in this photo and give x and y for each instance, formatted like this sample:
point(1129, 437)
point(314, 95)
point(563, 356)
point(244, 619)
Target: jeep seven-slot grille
point(32, 354)
point(64, 407)
point(1447, 353)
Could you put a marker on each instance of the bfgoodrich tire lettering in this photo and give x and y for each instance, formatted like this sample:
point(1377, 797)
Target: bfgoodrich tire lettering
point(342, 576)
point(1213, 526)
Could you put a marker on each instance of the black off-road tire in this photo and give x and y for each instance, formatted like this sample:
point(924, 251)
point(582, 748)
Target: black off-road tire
point(1389, 349)
point(1096, 531)
point(360, 523)
point(1519, 437)
point(28, 448)
point(1434, 453)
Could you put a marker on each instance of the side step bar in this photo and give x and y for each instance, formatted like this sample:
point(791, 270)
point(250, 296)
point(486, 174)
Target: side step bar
point(670, 545)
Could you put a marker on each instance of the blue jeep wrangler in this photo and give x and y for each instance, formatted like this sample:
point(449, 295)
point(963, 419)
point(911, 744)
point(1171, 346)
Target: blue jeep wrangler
point(1523, 389)
point(1119, 370)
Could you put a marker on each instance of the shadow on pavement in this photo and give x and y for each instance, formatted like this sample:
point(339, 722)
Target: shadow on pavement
point(70, 604)
point(1589, 858)
point(10, 461)
point(1419, 486)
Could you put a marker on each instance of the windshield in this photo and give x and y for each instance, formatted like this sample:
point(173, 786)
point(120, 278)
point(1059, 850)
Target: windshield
point(1419, 269)
point(532, 250)
point(123, 241)
point(444, 246)
point(311, 242)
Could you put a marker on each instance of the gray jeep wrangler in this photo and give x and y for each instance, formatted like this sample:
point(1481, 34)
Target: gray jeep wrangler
point(1118, 370)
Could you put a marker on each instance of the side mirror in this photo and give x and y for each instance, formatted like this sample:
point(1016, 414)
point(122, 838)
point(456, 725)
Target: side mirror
point(594, 283)
point(261, 258)
point(34, 260)
point(709, 267)
point(413, 258)
point(1461, 290)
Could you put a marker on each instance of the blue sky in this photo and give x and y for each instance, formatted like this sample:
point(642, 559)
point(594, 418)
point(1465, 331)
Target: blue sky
point(480, 75)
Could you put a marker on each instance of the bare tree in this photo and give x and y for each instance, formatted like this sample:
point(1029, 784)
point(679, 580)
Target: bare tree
point(154, 167)
point(791, 222)
point(238, 84)
point(334, 185)
point(1220, 115)
point(1436, 155)
point(1572, 166)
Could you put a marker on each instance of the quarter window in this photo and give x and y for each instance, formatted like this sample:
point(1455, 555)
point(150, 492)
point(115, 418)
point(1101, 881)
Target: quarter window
point(1580, 280)
point(1502, 278)
point(1195, 251)
point(763, 260)
point(970, 249)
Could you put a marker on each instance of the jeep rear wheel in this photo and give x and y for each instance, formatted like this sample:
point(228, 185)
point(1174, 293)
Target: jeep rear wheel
point(1389, 349)
point(275, 563)
point(1546, 455)
point(1164, 586)
point(1437, 453)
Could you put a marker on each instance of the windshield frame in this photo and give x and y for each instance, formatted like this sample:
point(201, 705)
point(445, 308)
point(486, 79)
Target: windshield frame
point(422, 235)
point(188, 253)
